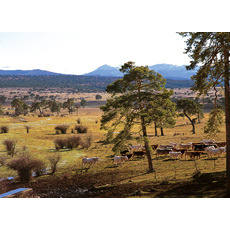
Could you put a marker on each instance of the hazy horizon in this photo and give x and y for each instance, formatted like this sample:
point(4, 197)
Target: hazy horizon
point(70, 53)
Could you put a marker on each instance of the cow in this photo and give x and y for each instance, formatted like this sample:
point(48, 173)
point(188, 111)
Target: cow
point(221, 144)
point(124, 152)
point(165, 146)
point(163, 151)
point(179, 150)
point(174, 145)
point(120, 159)
point(187, 153)
point(154, 147)
point(128, 155)
point(201, 147)
point(135, 147)
point(185, 146)
point(222, 149)
point(208, 141)
point(91, 161)
point(192, 154)
point(211, 151)
point(175, 154)
point(139, 153)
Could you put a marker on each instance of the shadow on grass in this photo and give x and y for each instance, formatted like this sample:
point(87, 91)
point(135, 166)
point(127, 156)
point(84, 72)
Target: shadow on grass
point(112, 166)
point(59, 151)
point(204, 185)
point(160, 157)
point(103, 142)
point(110, 156)
point(56, 134)
point(210, 159)
point(170, 159)
point(137, 159)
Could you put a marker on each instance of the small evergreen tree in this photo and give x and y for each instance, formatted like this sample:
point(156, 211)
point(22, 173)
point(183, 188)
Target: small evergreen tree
point(70, 105)
point(214, 122)
point(83, 103)
point(98, 97)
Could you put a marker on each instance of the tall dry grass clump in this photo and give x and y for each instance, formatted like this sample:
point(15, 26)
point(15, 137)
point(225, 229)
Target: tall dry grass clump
point(24, 165)
point(60, 143)
point(3, 159)
point(4, 129)
point(39, 168)
point(10, 146)
point(69, 142)
point(81, 128)
point(54, 159)
point(87, 142)
point(73, 142)
point(27, 127)
point(61, 128)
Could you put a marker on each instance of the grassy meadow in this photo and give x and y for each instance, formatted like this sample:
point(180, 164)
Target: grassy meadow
point(105, 179)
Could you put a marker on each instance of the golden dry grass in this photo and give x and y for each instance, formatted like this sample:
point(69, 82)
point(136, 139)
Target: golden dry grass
point(42, 134)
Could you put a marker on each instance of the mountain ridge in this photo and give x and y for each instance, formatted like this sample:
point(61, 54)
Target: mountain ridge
point(105, 70)
point(34, 72)
point(168, 71)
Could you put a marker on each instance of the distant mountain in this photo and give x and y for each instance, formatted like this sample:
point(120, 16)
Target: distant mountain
point(168, 71)
point(105, 71)
point(35, 72)
point(174, 71)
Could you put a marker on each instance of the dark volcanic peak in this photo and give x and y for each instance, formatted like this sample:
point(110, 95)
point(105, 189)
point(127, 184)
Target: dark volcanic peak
point(105, 71)
point(35, 72)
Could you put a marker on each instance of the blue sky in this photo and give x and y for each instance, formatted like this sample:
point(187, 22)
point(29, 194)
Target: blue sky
point(76, 36)
point(78, 53)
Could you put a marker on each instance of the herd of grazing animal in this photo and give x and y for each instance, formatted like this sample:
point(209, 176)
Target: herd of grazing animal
point(173, 150)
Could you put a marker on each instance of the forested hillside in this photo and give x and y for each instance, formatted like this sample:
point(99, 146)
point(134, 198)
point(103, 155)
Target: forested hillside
point(80, 83)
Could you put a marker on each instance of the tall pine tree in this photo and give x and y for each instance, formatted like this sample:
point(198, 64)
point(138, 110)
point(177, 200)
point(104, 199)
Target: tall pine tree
point(211, 51)
point(131, 103)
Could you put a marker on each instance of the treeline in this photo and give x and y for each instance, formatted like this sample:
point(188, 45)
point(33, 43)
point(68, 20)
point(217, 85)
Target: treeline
point(22, 108)
point(79, 83)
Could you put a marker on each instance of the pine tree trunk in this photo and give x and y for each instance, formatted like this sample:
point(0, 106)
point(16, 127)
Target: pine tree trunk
point(147, 147)
point(193, 127)
point(155, 124)
point(227, 117)
point(162, 132)
point(192, 122)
